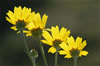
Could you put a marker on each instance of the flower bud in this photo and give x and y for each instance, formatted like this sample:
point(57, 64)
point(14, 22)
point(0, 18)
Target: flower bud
point(34, 53)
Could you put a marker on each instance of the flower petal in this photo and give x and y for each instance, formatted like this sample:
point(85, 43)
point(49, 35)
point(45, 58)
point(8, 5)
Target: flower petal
point(47, 36)
point(28, 34)
point(30, 26)
point(84, 53)
point(44, 20)
point(66, 35)
point(78, 40)
point(14, 28)
point(62, 52)
point(71, 42)
point(68, 56)
point(47, 42)
point(9, 20)
point(55, 32)
point(81, 47)
point(52, 50)
point(62, 32)
point(64, 46)
point(37, 20)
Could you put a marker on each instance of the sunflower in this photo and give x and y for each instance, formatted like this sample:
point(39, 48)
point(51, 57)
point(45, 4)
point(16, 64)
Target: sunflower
point(20, 17)
point(37, 25)
point(73, 48)
point(56, 38)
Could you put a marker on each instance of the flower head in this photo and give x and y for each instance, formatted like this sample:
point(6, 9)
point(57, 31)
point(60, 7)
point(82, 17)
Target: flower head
point(56, 38)
point(73, 48)
point(20, 17)
point(36, 26)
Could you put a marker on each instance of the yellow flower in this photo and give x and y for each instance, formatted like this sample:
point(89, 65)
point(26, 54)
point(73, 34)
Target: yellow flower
point(20, 17)
point(36, 26)
point(73, 48)
point(58, 37)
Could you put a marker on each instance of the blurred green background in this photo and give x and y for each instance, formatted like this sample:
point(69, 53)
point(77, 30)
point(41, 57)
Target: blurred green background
point(82, 17)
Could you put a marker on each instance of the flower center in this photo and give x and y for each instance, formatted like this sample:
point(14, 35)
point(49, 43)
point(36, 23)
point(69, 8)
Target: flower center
point(20, 25)
point(56, 44)
point(36, 32)
point(75, 52)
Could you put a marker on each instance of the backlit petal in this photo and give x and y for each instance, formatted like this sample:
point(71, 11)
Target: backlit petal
point(47, 36)
point(52, 50)
point(14, 28)
point(71, 42)
point(84, 53)
point(55, 32)
point(64, 46)
point(44, 20)
point(47, 42)
point(68, 56)
point(62, 52)
point(81, 47)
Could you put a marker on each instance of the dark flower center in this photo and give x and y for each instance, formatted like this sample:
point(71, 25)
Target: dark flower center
point(56, 44)
point(37, 32)
point(75, 52)
point(20, 25)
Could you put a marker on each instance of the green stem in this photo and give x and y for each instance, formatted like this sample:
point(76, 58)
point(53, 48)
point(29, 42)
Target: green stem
point(34, 60)
point(56, 58)
point(27, 49)
point(42, 51)
point(75, 61)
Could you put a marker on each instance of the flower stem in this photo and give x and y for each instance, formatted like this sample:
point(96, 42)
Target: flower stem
point(56, 58)
point(27, 49)
point(75, 61)
point(42, 51)
point(34, 60)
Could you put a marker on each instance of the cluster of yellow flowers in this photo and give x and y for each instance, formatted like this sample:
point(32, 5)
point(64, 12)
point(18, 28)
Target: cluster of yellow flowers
point(60, 40)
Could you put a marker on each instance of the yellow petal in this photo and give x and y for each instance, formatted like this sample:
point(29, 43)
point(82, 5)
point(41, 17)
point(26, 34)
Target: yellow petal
point(29, 17)
point(18, 32)
point(47, 36)
point(81, 47)
point(47, 42)
point(25, 31)
point(9, 20)
point(28, 34)
point(31, 26)
point(65, 46)
point(71, 42)
point(84, 53)
point(52, 50)
point(55, 32)
point(47, 29)
point(44, 20)
point(66, 35)
point(17, 12)
point(62, 52)
point(37, 20)
point(62, 32)
point(12, 16)
point(26, 13)
point(68, 56)
point(78, 41)
point(14, 28)
point(38, 17)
